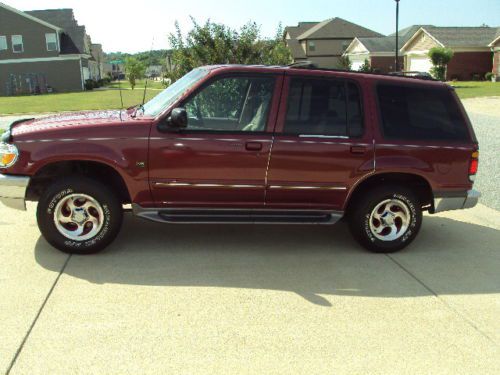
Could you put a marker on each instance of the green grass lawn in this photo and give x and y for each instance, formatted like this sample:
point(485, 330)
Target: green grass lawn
point(88, 100)
point(473, 89)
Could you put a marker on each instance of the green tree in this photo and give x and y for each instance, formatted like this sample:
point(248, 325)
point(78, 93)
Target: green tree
point(134, 69)
point(366, 67)
point(213, 43)
point(344, 63)
point(440, 57)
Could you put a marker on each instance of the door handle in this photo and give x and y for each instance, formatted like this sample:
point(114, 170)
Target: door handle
point(358, 150)
point(253, 146)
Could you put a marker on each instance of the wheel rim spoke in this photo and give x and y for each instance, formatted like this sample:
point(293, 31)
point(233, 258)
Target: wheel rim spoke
point(79, 217)
point(390, 213)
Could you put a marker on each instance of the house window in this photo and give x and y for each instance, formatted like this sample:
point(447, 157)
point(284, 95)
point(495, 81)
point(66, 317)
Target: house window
point(312, 46)
point(51, 42)
point(3, 43)
point(17, 44)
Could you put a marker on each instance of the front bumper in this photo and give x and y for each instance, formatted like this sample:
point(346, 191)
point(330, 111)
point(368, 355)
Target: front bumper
point(13, 191)
point(456, 203)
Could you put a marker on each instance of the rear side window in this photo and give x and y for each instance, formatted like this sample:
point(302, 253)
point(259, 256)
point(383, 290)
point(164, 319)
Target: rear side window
point(323, 107)
point(413, 113)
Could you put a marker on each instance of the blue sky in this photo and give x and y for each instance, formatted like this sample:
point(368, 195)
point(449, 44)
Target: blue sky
point(133, 28)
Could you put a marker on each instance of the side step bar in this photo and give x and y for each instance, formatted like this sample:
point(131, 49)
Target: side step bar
point(236, 216)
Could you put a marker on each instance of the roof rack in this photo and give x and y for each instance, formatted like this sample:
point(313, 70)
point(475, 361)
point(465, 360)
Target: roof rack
point(312, 66)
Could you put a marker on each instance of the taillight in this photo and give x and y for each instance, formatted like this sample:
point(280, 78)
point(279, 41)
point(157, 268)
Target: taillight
point(473, 166)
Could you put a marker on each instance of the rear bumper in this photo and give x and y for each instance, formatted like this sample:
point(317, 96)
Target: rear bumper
point(456, 203)
point(13, 191)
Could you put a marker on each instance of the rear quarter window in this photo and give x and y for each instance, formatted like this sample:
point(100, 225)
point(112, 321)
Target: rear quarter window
point(416, 113)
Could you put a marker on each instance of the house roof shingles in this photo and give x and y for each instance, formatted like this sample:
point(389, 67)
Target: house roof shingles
point(337, 28)
point(302, 27)
point(463, 36)
point(388, 43)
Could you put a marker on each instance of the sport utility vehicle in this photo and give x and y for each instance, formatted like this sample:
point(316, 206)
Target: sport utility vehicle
point(250, 144)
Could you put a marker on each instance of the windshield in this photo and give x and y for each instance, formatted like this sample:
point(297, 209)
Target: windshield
point(173, 92)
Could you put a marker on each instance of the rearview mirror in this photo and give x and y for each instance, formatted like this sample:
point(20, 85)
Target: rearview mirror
point(178, 119)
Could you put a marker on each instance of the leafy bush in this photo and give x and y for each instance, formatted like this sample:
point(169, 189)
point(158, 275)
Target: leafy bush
point(366, 67)
point(440, 57)
point(89, 84)
point(344, 63)
point(488, 76)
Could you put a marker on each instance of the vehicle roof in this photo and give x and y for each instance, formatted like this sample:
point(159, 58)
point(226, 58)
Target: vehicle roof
point(320, 72)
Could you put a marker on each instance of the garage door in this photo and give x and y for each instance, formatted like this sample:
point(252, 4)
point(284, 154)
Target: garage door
point(420, 64)
point(356, 64)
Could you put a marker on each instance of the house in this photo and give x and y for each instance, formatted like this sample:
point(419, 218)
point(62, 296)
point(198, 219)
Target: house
point(99, 58)
point(470, 45)
point(379, 51)
point(154, 71)
point(323, 43)
point(495, 48)
point(43, 51)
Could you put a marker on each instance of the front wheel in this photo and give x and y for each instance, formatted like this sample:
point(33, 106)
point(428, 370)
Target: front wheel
point(79, 215)
point(386, 219)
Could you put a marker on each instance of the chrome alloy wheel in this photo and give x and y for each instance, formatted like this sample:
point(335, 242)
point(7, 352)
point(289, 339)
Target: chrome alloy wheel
point(390, 219)
point(78, 217)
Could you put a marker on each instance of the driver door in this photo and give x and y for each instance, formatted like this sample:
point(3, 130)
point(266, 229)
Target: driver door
point(220, 159)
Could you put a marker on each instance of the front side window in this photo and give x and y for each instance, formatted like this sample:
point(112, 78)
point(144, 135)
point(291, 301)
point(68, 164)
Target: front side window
point(312, 46)
point(323, 107)
point(415, 113)
point(231, 104)
point(3, 43)
point(51, 42)
point(17, 44)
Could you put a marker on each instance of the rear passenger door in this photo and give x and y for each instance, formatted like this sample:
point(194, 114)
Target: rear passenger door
point(322, 145)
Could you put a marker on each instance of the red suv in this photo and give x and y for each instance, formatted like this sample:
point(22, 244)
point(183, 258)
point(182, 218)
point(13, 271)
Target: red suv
point(250, 144)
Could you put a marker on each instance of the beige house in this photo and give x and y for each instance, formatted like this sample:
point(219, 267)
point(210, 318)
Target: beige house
point(43, 51)
point(470, 45)
point(323, 43)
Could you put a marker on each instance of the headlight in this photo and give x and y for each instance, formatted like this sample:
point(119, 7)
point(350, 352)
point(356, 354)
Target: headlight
point(8, 155)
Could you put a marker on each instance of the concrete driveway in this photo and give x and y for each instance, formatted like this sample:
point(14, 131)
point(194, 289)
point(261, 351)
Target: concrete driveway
point(224, 299)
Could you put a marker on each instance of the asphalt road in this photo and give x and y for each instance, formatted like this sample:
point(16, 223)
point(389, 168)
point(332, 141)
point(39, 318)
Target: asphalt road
point(223, 299)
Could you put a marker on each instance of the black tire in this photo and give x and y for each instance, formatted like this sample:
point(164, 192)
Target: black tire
point(64, 188)
point(360, 217)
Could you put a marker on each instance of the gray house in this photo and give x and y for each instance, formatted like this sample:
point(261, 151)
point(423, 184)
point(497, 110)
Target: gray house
point(43, 51)
point(323, 42)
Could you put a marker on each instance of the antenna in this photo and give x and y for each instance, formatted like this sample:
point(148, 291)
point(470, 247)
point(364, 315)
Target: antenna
point(121, 96)
point(146, 82)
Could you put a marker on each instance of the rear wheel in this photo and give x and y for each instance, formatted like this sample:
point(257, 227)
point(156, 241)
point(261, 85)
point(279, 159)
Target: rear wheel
point(79, 215)
point(386, 219)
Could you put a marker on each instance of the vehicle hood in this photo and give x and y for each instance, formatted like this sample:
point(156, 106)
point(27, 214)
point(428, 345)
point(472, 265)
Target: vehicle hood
point(67, 122)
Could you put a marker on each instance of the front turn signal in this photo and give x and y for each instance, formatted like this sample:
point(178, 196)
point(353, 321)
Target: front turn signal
point(8, 155)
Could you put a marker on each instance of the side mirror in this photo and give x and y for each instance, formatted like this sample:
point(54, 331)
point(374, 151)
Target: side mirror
point(177, 120)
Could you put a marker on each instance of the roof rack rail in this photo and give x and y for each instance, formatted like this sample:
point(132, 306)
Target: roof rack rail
point(312, 66)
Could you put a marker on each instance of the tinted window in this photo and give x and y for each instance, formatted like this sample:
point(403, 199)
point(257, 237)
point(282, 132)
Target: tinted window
point(231, 104)
point(323, 107)
point(420, 114)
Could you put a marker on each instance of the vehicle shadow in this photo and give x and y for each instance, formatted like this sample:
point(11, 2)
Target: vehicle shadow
point(449, 257)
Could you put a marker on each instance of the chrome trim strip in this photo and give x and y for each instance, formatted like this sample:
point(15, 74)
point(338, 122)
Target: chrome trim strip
point(186, 184)
point(307, 187)
point(424, 146)
point(13, 191)
point(83, 139)
point(323, 136)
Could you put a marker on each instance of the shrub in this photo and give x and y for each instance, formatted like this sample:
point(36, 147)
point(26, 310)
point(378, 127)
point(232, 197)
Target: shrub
point(89, 84)
point(440, 57)
point(344, 63)
point(488, 76)
point(366, 67)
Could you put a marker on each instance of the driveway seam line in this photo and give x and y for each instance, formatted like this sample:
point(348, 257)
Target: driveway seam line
point(25, 339)
point(450, 307)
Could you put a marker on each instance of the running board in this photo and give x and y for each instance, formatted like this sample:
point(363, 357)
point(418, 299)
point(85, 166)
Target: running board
point(236, 216)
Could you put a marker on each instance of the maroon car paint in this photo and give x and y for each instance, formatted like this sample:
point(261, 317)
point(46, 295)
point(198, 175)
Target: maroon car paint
point(227, 170)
